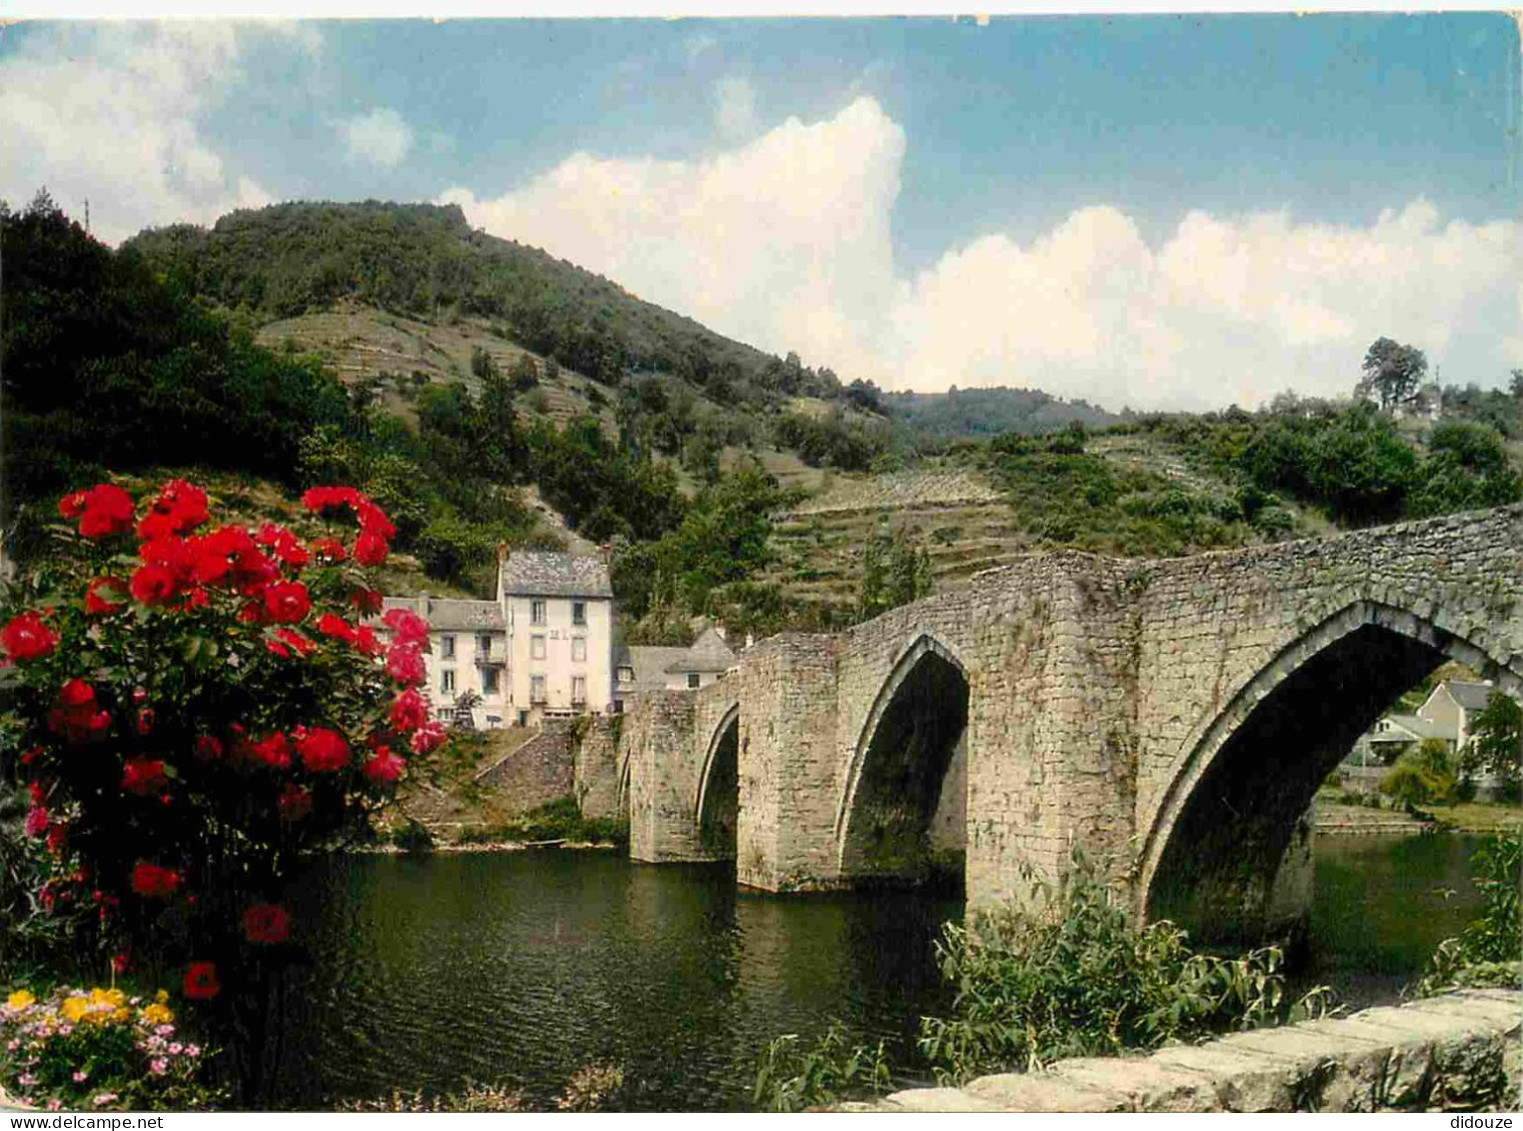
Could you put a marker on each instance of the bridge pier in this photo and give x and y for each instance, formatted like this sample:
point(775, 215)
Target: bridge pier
point(789, 772)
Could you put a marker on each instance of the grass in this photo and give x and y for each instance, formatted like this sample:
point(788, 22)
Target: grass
point(559, 820)
point(1479, 816)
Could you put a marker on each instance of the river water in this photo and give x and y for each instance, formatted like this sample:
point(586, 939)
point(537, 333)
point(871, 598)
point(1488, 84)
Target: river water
point(521, 968)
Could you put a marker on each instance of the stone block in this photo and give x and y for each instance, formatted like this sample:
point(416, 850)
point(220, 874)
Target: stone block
point(1245, 1080)
point(938, 1100)
point(1334, 1070)
point(1042, 1091)
point(1149, 1084)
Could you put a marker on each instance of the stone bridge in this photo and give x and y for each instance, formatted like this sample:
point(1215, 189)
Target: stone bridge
point(1172, 718)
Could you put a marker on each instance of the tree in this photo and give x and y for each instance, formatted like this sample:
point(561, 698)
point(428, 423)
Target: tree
point(1421, 776)
point(1392, 373)
point(895, 571)
point(1496, 740)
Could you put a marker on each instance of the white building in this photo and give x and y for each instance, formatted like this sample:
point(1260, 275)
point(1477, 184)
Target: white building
point(543, 648)
point(643, 668)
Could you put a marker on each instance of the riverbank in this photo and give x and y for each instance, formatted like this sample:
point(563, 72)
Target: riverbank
point(468, 847)
point(1332, 818)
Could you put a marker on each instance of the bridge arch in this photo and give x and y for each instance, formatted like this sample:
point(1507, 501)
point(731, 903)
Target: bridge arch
point(899, 767)
point(1226, 819)
point(716, 799)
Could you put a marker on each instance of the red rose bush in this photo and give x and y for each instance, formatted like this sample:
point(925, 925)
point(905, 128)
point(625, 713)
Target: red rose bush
point(201, 707)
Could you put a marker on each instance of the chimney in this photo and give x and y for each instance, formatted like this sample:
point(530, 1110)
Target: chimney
point(750, 640)
point(605, 551)
point(719, 630)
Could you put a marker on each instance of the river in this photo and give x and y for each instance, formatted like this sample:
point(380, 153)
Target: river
point(522, 967)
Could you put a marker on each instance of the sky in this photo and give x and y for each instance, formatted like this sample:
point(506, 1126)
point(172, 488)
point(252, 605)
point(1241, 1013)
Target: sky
point(1144, 211)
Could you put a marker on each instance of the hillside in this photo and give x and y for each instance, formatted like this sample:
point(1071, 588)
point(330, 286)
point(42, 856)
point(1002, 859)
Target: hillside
point(961, 414)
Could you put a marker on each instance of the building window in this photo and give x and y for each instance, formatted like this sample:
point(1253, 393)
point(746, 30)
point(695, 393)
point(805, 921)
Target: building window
point(578, 612)
point(694, 679)
point(536, 689)
point(579, 649)
point(447, 681)
point(489, 681)
point(446, 647)
point(537, 611)
point(536, 647)
point(483, 644)
point(626, 675)
point(579, 689)
point(494, 720)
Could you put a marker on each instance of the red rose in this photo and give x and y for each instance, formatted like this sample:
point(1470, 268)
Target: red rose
point(155, 584)
point(273, 751)
point(406, 627)
point(36, 821)
point(105, 510)
point(143, 776)
point(294, 803)
point(329, 549)
point(335, 626)
point(120, 961)
point(26, 637)
point(201, 981)
point(366, 601)
point(153, 882)
point(321, 498)
point(369, 549)
point(283, 543)
point(72, 506)
point(105, 595)
point(429, 737)
point(405, 665)
point(76, 693)
point(408, 711)
point(366, 641)
point(322, 750)
point(58, 836)
point(373, 520)
point(208, 749)
point(266, 923)
point(145, 720)
point(286, 601)
point(181, 506)
point(288, 642)
point(384, 768)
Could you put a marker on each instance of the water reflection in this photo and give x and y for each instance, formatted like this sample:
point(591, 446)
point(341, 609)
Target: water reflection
point(522, 968)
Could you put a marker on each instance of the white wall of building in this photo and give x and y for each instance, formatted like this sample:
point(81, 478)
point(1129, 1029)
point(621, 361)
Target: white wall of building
point(549, 649)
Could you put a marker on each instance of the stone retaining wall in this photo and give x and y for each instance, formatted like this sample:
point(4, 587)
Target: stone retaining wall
point(1459, 1051)
point(536, 773)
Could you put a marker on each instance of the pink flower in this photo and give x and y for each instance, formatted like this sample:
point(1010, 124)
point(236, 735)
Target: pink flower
point(430, 736)
point(158, 1066)
point(384, 768)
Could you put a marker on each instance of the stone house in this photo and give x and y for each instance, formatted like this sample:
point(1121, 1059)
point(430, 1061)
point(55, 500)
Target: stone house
point(542, 649)
point(643, 668)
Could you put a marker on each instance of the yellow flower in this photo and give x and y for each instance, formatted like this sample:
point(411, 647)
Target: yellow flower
point(161, 997)
point(20, 999)
point(157, 1014)
point(121, 1014)
point(75, 1006)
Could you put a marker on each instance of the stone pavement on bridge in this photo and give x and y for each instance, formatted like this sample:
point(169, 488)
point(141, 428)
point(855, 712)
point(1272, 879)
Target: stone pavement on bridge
point(1457, 1051)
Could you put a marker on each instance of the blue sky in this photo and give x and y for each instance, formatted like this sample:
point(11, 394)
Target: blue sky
point(921, 201)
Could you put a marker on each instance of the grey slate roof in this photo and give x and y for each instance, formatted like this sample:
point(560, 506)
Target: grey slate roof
point(448, 615)
point(540, 573)
point(709, 653)
point(1471, 696)
point(1422, 728)
point(649, 663)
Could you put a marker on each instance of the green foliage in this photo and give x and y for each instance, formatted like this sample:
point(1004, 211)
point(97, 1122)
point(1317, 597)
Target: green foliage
point(1466, 469)
point(1070, 975)
point(558, 820)
point(105, 365)
point(791, 1076)
point(1489, 950)
point(1392, 373)
point(896, 569)
point(986, 412)
point(1496, 739)
point(834, 440)
point(1063, 495)
point(1424, 776)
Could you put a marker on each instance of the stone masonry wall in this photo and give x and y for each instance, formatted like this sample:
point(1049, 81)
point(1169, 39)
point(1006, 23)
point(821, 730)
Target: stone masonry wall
point(596, 768)
point(1457, 1052)
point(536, 773)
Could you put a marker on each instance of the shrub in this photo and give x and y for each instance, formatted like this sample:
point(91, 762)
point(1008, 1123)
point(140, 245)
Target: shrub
point(1487, 952)
point(1421, 777)
point(198, 716)
point(792, 1077)
point(1071, 976)
point(590, 1087)
point(99, 1050)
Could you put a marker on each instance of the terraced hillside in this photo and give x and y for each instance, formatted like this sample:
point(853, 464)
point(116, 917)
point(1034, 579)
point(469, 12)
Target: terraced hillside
point(1124, 494)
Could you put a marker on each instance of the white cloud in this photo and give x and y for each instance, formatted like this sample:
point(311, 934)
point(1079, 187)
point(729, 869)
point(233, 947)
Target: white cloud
point(734, 107)
point(110, 113)
point(380, 137)
point(784, 242)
